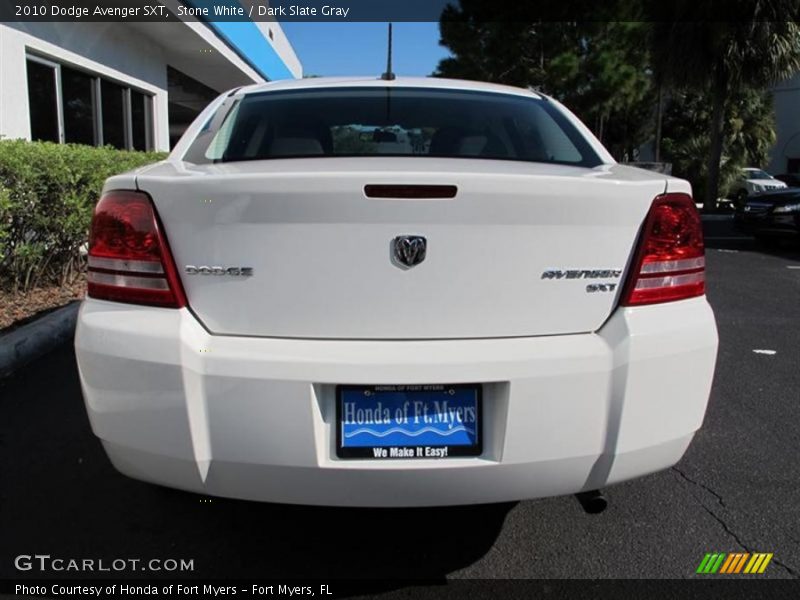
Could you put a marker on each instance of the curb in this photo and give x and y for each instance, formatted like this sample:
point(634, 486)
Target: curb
point(24, 345)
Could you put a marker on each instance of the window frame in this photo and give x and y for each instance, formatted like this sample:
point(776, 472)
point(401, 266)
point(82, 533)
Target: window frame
point(59, 92)
point(149, 142)
point(97, 103)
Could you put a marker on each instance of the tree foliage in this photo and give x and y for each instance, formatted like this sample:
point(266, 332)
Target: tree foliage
point(596, 67)
point(749, 133)
point(694, 52)
point(612, 72)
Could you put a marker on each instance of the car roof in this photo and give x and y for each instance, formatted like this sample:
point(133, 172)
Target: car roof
point(399, 82)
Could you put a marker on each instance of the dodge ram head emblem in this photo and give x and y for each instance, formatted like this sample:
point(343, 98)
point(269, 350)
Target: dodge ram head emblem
point(410, 250)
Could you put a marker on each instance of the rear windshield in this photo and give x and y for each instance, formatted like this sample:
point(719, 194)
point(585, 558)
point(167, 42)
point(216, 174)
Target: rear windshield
point(391, 122)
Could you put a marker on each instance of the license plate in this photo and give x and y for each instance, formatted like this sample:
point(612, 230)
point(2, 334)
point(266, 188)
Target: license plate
point(408, 421)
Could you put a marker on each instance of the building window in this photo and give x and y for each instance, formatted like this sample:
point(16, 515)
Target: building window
point(140, 120)
point(113, 110)
point(74, 106)
point(77, 91)
point(43, 94)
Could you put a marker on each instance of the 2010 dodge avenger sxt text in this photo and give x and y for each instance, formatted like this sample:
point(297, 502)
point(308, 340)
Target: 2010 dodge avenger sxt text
point(394, 293)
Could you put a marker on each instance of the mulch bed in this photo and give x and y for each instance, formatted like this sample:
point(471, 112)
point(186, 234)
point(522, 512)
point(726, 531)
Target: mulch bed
point(18, 309)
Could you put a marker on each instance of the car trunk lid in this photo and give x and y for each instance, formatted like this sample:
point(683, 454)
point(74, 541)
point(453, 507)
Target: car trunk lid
point(519, 249)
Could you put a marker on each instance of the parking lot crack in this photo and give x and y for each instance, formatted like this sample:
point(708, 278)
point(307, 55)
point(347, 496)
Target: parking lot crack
point(790, 570)
point(787, 568)
point(696, 483)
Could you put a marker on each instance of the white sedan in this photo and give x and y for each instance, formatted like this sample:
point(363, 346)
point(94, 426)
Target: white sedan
point(296, 307)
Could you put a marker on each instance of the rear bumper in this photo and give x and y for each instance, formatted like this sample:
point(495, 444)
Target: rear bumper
point(254, 418)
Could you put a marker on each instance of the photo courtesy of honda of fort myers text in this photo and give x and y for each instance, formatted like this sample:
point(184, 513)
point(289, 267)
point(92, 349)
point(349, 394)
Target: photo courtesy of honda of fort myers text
point(100, 589)
point(417, 299)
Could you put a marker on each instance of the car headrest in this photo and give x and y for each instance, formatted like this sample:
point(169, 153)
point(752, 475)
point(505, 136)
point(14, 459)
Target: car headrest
point(295, 146)
point(472, 145)
point(445, 141)
point(457, 141)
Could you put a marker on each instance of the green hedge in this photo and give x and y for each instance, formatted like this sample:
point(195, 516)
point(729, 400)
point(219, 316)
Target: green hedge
point(47, 194)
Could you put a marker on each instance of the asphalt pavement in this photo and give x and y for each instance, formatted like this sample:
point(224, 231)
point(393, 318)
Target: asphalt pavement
point(736, 490)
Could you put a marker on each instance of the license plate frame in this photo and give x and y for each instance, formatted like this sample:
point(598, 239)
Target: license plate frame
point(463, 396)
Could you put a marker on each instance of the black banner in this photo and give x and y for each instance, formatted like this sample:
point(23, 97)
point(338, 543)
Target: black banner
point(393, 10)
point(458, 589)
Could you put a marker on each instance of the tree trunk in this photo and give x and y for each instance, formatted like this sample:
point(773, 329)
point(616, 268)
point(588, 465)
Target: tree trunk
point(659, 120)
point(715, 154)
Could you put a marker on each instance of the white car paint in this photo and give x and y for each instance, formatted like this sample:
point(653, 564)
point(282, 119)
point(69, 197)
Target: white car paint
point(252, 418)
point(264, 212)
point(235, 395)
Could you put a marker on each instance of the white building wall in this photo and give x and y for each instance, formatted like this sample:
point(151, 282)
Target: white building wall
point(787, 125)
point(282, 46)
point(108, 49)
point(277, 40)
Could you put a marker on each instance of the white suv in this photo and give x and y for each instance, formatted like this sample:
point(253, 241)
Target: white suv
point(394, 293)
point(753, 181)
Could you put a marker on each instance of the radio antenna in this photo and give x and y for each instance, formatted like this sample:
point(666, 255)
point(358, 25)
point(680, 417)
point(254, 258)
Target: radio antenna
point(389, 76)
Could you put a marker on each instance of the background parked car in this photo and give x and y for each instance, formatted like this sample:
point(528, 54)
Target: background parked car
point(753, 181)
point(771, 214)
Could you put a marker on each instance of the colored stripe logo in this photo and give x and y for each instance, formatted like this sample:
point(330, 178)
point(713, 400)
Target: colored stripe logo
point(734, 563)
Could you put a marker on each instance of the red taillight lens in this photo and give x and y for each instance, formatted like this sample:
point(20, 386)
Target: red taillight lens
point(670, 261)
point(129, 258)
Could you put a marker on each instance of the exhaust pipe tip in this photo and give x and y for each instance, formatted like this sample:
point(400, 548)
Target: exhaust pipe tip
point(593, 501)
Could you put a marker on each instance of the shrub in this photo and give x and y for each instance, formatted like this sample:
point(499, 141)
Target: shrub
point(47, 194)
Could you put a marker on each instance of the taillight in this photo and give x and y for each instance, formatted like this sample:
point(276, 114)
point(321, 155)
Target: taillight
point(129, 258)
point(670, 260)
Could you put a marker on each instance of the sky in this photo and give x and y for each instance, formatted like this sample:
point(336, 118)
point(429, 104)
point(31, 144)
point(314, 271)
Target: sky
point(333, 49)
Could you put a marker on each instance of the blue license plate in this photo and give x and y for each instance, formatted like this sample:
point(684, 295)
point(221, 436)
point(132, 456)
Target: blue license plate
point(408, 421)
